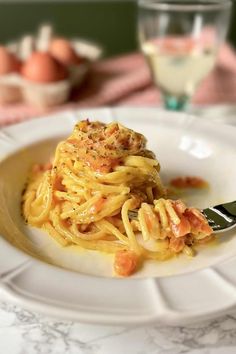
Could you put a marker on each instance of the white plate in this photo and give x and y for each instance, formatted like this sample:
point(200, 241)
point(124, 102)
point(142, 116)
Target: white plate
point(78, 284)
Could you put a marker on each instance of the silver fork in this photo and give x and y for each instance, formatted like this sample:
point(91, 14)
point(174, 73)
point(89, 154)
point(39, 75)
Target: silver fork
point(220, 217)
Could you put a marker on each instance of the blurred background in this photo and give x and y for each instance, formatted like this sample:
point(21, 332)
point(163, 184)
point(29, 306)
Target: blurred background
point(88, 19)
point(120, 76)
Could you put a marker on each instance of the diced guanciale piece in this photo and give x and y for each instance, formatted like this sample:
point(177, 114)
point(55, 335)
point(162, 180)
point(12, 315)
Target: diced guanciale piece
point(188, 182)
point(125, 263)
point(198, 222)
point(181, 229)
point(176, 244)
point(96, 207)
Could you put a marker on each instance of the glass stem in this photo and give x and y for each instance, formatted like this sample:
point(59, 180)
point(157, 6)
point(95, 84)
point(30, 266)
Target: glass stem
point(173, 103)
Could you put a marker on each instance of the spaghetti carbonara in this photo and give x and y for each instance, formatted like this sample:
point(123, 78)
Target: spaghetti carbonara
point(103, 192)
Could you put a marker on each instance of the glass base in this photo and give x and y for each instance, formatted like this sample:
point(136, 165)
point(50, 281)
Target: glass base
point(173, 103)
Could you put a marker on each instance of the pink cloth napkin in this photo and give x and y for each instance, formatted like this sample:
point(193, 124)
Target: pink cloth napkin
point(126, 80)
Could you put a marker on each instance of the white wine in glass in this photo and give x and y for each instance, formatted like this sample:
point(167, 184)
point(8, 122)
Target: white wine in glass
point(180, 40)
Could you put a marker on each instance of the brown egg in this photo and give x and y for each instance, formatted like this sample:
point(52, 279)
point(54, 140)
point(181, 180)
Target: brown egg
point(63, 51)
point(42, 67)
point(8, 62)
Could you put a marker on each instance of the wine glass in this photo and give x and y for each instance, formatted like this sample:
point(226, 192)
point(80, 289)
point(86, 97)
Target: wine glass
point(180, 40)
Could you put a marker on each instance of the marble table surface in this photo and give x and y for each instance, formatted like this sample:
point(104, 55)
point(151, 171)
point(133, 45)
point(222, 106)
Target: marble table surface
point(24, 332)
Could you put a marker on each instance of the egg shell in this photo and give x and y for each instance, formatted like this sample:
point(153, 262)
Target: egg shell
point(8, 62)
point(42, 67)
point(63, 51)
